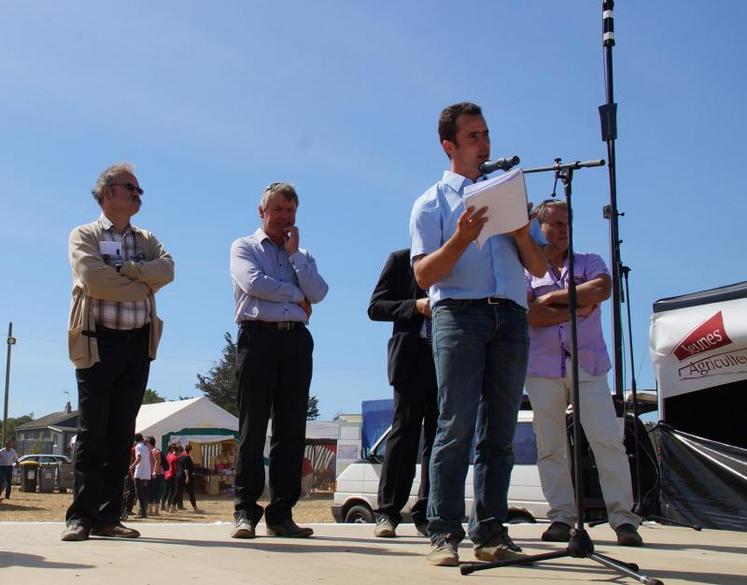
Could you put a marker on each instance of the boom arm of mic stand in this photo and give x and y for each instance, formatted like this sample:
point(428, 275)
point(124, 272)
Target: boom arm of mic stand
point(579, 164)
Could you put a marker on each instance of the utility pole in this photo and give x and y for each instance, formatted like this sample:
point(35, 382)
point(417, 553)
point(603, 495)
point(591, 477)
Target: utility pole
point(11, 342)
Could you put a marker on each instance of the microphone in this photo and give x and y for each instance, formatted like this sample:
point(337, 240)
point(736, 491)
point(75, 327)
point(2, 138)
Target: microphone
point(503, 164)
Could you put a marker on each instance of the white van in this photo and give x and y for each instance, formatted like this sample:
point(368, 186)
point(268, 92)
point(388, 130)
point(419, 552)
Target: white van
point(357, 486)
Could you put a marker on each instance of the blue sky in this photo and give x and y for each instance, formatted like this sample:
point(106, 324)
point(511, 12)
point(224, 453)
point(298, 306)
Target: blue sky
point(342, 98)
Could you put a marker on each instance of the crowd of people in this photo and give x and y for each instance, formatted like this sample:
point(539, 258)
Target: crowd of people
point(159, 481)
point(473, 325)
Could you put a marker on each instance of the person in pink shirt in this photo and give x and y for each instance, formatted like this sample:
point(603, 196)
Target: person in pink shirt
point(156, 480)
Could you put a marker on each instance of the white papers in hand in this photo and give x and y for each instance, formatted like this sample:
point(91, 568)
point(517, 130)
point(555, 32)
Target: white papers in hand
point(505, 197)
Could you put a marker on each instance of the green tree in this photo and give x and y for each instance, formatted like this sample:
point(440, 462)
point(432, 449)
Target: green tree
point(312, 410)
point(221, 386)
point(13, 423)
point(152, 397)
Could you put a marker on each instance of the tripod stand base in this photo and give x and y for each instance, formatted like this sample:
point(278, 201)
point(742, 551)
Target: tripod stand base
point(581, 547)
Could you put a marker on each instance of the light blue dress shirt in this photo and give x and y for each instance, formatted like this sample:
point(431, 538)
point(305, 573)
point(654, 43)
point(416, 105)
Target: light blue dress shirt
point(268, 284)
point(495, 270)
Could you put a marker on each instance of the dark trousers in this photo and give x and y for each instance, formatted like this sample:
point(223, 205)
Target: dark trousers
point(154, 489)
point(169, 496)
point(129, 494)
point(183, 486)
point(109, 396)
point(415, 406)
point(6, 478)
point(141, 488)
point(274, 373)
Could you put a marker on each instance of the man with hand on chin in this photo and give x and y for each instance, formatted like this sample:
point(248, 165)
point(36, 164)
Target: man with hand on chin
point(275, 283)
point(479, 341)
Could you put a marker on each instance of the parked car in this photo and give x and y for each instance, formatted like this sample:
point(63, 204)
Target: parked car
point(357, 486)
point(41, 458)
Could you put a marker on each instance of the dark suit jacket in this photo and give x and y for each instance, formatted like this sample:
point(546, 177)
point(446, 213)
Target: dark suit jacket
point(394, 299)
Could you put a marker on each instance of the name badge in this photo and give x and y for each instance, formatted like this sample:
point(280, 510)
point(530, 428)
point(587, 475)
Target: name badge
point(110, 248)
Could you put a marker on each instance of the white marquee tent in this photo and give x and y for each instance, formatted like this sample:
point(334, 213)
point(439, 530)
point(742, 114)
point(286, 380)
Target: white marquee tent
point(192, 420)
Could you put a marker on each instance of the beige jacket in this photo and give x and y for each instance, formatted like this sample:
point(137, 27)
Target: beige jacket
point(93, 279)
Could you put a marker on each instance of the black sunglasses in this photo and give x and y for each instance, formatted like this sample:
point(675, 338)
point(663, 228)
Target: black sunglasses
point(128, 186)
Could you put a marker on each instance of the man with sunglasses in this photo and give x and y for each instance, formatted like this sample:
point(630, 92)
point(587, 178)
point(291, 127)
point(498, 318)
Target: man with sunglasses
point(274, 283)
point(113, 335)
point(549, 380)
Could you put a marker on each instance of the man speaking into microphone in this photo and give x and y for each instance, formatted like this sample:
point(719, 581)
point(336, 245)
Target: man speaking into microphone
point(480, 342)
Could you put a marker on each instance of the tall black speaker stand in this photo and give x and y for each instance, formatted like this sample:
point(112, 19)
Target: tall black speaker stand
point(580, 545)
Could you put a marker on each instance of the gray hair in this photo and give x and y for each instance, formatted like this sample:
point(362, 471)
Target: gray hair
point(107, 176)
point(543, 209)
point(285, 189)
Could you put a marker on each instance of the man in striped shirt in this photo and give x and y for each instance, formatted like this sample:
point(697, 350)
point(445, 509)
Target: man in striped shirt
point(112, 337)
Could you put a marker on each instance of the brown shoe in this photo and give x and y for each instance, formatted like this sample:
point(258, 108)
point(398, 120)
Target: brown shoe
point(499, 548)
point(289, 529)
point(75, 532)
point(557, 532)
point(115, 531)
point(627, 535)
point(443, 551)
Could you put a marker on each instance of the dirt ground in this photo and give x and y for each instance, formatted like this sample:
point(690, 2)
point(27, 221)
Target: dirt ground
point(26, 506)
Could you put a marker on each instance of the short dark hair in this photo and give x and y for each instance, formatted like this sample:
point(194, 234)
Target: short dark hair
point(151, 440)
point(447, 122)
point(138, 437)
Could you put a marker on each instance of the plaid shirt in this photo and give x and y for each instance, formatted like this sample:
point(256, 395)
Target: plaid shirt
point(128, 315)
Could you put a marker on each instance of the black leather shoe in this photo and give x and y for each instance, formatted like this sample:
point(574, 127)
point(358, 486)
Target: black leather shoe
point(557, 532)
point(289, 529)
point(75, 532)
point(627, 535)
point(115, 531)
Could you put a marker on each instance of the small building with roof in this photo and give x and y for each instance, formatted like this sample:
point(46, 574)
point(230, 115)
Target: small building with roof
point(50, 434)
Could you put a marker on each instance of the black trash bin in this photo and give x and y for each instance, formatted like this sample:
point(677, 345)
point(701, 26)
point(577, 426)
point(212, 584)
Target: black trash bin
point(29, 475)
point(65, 477)
point(47, 477)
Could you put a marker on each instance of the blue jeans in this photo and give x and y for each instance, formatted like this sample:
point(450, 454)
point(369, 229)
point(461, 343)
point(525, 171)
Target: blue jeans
point(480, 351)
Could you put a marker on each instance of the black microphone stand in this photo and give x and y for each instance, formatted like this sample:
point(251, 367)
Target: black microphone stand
point(580, 544)
point(608, 119)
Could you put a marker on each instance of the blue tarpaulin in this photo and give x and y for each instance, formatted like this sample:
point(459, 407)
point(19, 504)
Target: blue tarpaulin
point(377, 416)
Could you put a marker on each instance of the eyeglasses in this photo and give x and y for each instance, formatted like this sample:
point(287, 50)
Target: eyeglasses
point(129, 186)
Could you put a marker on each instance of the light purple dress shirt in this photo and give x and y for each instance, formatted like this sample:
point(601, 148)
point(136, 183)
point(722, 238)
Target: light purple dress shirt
point(268, 283)
point(550, 346)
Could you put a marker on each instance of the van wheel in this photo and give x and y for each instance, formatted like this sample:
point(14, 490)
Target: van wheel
point(359, 515)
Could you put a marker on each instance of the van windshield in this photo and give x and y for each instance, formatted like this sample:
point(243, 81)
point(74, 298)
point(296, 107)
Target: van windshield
point(524, 444)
